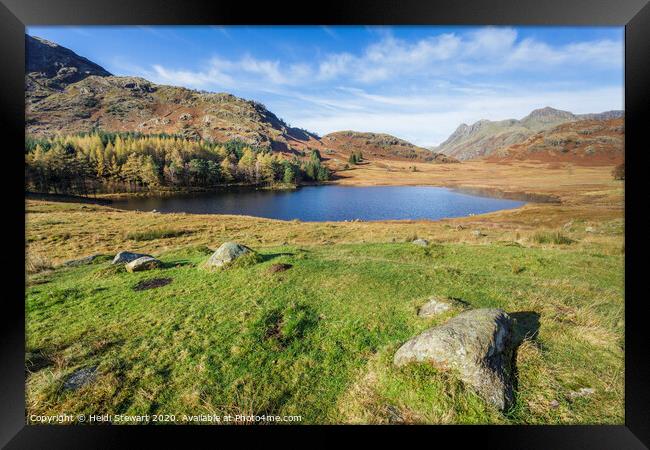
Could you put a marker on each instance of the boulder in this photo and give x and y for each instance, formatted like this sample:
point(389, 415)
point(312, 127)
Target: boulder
point(143, 263)
point(478, 344)
point(434, 307)
point(227, 253)
point(421, 242)
point(127, 257)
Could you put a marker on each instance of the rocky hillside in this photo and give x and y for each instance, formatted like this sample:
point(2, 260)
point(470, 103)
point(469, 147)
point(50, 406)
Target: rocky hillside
point(485, 137)
point(380, 146)
point(67, 93)
point(592, 142)
point(50, 68)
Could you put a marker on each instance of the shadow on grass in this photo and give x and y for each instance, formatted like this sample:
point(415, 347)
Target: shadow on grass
point(176, 263)
point(271, 256)
point(526, 327)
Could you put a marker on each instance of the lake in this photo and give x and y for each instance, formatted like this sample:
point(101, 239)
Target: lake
point(327, 203)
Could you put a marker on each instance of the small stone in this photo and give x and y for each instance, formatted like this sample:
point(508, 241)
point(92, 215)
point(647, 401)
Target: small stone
point(434, 307)
point(478, 233)
point(127, 257)
point(144, 263)
point(590, 230)
point(421, 242)
point(582, 392)
point(80, 378)
point(554, 404)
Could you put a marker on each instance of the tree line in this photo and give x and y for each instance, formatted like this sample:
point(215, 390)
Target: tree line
point(129, 162)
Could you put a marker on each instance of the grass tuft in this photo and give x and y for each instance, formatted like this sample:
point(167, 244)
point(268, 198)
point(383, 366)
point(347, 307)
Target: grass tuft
point(37, 263)
point(554, 237)
point(151, 235)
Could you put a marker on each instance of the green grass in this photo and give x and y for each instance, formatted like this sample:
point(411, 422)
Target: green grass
point(317, 340)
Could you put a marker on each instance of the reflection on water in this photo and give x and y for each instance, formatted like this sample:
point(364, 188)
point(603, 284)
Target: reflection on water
point(327, 203)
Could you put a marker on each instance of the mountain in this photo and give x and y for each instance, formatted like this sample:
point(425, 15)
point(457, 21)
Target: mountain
point(67, 93)
point(380, 146)
point(591, 141)
point(485, 137)
point(50, 67)
point(115, 103)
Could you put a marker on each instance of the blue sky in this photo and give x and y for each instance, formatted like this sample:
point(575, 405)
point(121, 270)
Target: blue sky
point(418, 83)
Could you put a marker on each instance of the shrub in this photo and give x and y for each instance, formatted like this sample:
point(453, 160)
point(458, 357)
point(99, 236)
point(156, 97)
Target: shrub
point(555, 237)
point(619, 172)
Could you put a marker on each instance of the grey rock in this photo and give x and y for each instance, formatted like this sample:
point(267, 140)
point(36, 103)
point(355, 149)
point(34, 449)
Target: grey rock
point(127, 257)
point(80, 378)
point(434, 307)
point(83, 261)
point(227, 253)
point(421, 242)
point(478, 344)
point(478, 233)
point(143, 263)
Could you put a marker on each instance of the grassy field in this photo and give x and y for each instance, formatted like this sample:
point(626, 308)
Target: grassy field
point(317, 340)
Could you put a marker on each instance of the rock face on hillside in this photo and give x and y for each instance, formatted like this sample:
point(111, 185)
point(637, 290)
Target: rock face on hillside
point(478, 344)
point(485, 137)
point(380, 146)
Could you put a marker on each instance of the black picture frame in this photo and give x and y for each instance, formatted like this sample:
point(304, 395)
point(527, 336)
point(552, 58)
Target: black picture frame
point(633, 14)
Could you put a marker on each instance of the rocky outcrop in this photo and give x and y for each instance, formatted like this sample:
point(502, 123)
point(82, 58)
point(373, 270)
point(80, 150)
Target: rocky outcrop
point(50, 67)
point(226, 254)
point(143, 263)
point(126, 257)
point(478, 344)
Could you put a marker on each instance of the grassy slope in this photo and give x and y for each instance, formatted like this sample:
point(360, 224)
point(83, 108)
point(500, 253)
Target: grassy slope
point(317, 340)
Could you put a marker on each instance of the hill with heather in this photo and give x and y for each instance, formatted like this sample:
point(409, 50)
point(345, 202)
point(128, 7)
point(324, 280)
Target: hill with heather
point(592, 142)
point(380, 146)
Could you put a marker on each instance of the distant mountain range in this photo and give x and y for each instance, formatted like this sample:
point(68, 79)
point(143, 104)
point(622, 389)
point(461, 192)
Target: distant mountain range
point(485, 137)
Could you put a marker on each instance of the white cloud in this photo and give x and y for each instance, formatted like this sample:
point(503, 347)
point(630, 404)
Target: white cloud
point(419, 90)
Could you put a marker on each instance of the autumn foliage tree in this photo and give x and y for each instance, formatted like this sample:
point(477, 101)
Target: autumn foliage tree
point(130, 162)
